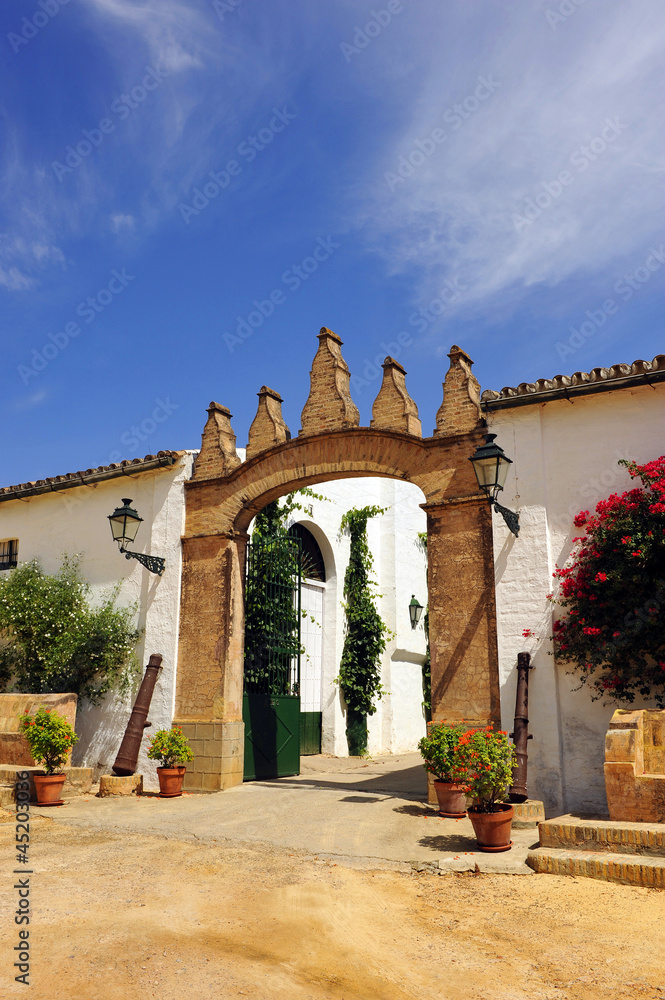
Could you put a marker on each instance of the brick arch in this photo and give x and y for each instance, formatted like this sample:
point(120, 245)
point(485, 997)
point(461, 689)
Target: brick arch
point(225, 493)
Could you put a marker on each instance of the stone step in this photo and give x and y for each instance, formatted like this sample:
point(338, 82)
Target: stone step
point(586, 834)
point(627, 869)
point(79, 782)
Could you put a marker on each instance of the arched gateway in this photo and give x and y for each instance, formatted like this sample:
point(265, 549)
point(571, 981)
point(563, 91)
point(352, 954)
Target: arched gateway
point(225, 494)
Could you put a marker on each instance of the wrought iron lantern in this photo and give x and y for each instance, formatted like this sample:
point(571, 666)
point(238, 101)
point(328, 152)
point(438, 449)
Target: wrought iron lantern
point(415, 611)
point(491, 465)
point(125, 523)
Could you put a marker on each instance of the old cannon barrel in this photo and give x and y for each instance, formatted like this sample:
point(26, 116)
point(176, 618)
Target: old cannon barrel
point(520, 734)
point(128, 754)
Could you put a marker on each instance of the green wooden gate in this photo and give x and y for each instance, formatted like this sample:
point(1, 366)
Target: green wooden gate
point(271, 699)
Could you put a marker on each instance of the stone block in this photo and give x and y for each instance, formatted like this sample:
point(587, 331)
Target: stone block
point(620, 744)
point(112, 785)
point(193, 780)
point(79, 782)
point(654, 760)
point(211, 782)
point(635, 767)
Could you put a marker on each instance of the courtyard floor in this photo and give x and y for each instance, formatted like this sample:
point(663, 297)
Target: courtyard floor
point(311, 888)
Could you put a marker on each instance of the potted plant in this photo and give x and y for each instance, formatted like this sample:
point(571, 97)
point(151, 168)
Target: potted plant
point(439, 751)
point(171, 748)
point(50, 738)
point(488, 757)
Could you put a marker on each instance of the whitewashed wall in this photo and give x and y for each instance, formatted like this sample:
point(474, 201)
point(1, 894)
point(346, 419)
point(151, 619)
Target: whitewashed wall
point(400, 568)
point(565, 457)
point(75, 521)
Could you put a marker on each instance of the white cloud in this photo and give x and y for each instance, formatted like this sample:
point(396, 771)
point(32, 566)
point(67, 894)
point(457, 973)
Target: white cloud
point(174, 32)
point(121, 222)
point(14, 280)
point(24, 257)
point(456, 215)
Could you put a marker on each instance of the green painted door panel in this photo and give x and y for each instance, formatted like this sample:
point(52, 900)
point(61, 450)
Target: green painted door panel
point(272, 736)
point(310, 733)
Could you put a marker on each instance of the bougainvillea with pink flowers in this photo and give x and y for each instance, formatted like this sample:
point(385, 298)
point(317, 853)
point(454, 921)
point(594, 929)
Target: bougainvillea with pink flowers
point(613, 593)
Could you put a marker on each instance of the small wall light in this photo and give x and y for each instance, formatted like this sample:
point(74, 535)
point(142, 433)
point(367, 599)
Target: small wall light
point(415, 611)
point(491, 465)
point(125, 523)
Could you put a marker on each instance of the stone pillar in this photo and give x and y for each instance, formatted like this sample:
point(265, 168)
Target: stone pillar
point(462, 612)
point(210, 659)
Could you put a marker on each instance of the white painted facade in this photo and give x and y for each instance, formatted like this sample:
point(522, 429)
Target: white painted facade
point(76, 521)
point(565, 455)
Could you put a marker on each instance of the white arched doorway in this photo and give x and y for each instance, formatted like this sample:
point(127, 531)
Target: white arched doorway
point(312, 603)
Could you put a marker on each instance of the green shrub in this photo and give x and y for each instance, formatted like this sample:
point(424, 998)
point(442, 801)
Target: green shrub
point(52, 640)
point(170, 747)
point(439, 752)
point(50, 738)
point(488, 757)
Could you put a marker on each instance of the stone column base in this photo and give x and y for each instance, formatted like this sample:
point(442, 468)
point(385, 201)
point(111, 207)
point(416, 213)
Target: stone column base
point(528, 814)
point(218, 754)
point(126, 784)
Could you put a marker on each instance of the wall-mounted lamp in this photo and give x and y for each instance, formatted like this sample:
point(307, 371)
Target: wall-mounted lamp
point(125, 523)
point(415, 611)
point(491, 465)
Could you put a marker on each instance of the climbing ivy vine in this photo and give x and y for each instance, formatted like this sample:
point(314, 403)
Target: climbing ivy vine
point(271, 616)
point(366, 633)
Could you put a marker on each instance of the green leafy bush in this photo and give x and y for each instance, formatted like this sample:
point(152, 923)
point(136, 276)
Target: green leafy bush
point(488, 758)
point(50, 738)
point(52, 640)
point(439, 752)
point(170, 747)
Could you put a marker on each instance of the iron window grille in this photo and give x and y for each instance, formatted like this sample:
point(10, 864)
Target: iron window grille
point(9, 554)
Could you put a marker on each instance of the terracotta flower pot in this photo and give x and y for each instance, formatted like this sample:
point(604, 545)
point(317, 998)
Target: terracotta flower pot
point(452, 798)
point(49, 788)
point(492, 829)
point(170, 781)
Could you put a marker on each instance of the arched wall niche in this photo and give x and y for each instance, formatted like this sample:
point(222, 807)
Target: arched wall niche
point(225, 494)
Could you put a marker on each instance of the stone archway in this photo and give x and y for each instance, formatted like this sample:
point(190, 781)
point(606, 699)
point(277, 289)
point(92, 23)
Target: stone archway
point(225, 494)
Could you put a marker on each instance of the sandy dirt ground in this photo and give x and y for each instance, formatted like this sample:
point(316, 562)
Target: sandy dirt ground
point(116, 917)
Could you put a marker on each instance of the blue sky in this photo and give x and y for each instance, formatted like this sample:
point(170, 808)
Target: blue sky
point(192, 189)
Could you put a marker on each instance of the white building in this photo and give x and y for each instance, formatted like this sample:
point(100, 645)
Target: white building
point(68, 514)
point(565, 437)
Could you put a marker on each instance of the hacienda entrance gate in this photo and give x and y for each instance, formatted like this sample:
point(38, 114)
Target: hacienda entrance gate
point(271, 697)
point(225, 493)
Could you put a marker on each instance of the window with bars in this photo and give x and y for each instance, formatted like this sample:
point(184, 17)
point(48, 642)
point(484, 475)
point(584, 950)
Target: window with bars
point(9, 553)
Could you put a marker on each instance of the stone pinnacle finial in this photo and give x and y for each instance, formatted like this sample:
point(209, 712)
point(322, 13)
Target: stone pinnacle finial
point(393, 408)
point(460, 410)
point(218, 445)
point(268, 427)
point(329, 406)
